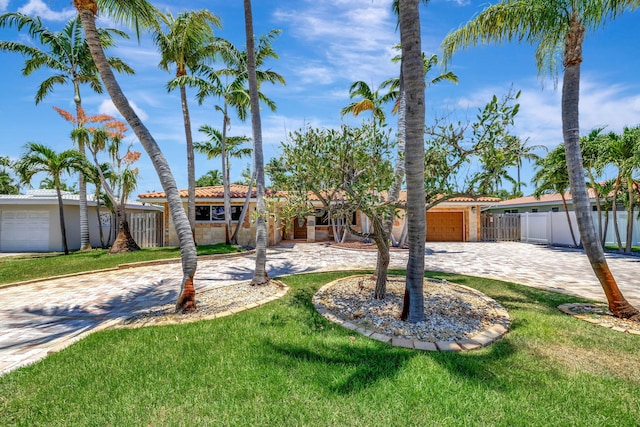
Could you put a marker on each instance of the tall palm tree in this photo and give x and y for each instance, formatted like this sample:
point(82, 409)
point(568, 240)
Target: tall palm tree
point(260, 276)
point(413, 77)
point(140, 13)
point(231, 148)
point(186, 44)
point(624, 154)
point(230, 84)
point(67, 55)
point(557, 26)
point(40, 158)
point(551, 176)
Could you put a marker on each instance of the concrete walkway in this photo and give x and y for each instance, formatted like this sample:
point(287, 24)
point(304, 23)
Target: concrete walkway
point(42, 317)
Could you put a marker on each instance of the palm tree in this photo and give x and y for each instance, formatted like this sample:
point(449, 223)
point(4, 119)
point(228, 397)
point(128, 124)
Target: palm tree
point(187, 43)
point(232, 147)
point(66, 54)
point(141, 13)
point(230, 84)
point(519, 150)
point(552, 177)
point(623, 153)
point(413, 78)
point(594, 148)
point(555, 27)
point(369, 100)
point(40, 158)
point(210, 179)
point(7, 183)
point(260, 276)
point(95, 175)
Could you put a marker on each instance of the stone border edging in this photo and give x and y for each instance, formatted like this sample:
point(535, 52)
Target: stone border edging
point(478, 340)
point(129, 265)
point(568, 309)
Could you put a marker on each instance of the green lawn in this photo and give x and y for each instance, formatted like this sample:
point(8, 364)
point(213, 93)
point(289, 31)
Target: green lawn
point(615, 248)
point(27, 267)
point(284, 365)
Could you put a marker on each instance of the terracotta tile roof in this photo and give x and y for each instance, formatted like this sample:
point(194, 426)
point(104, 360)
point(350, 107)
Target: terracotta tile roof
point(214, 192)
point(461, 199)
point(545, 198)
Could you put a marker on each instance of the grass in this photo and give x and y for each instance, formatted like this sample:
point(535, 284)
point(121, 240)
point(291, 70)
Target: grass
point(615, 248)
point(35, 266)
point(284, 364)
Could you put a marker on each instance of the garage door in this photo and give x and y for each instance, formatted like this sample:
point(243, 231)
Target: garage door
point(24, 231)
point(445, 227)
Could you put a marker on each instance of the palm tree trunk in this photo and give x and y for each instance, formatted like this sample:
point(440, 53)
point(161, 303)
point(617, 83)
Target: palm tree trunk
point(260, 274)
point(245, 208)
point(616, 228)
point(63, 228)
point(413, 72)
point(186, 300)
point(566, 211)
point(618, 305)
point(191, 168)
point(382, 263)
point(628, 243)
point(225, 177)
point(85, 239)
point(124, 240)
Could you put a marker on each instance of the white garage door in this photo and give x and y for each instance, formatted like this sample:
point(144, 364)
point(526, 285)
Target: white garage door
point(24, 231)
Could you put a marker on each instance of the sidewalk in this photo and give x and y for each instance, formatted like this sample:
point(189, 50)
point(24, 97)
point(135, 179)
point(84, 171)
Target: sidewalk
point(46, 316)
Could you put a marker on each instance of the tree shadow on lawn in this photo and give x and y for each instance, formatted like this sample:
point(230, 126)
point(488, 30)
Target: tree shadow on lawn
point(53, 322)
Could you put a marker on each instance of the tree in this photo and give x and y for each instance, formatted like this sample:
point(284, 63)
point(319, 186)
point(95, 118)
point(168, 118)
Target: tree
point(624, 154)
point(413, 76)
point(370, 101)
point(95, 174)
point(519, 151)
point(186, 44)
point(552, 177)
point(40, 158)
point(347, 170)
point(142, 13)
point(7, 183)
point(556, 27)
point(210, 179)
point(594, 149)
point(67, 55)
point(232, 147)
point(260, 276)
point(230, 84)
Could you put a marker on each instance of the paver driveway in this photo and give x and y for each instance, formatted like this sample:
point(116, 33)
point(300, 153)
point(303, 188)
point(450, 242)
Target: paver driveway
point(41, 317)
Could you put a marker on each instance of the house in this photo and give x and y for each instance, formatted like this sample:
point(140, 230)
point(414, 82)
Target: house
point(456, 219)
point(31, 222)
point(210, 215)
point(546, 203)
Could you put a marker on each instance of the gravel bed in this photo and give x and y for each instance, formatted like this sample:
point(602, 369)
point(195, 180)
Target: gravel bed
point(452, 312)
point(211, 303)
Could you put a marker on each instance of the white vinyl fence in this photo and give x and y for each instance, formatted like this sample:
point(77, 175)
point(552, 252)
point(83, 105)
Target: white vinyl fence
point(552, 228)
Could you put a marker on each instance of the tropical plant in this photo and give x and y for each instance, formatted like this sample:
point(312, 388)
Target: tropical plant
point(39, 158)
point(413, 79)
point(260, 276)
point(231, 148)
point(519, 151)
point(187, 43)
point(210, 179)
point(594, 147)
point(551, 177)
point(558, 28)
point(7, 183)
point(370, 100)
point(67, 55)
point(95, 176)
point(141, 13)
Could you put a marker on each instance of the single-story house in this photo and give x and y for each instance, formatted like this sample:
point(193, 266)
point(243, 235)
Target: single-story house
point(546, 203)
point(31, 222)
point(457, 219)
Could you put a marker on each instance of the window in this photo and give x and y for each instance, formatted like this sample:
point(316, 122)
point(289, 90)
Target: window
point(216, 213)
point(534, 210)
point(322, 218)
point(555, 209)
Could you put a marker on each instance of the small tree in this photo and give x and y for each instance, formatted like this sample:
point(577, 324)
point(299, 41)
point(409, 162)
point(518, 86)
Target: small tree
point(40, 158)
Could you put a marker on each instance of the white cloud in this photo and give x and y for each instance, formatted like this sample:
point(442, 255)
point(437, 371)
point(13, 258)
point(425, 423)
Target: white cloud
point(3, 5)
point(107, 107)
point(41, 9)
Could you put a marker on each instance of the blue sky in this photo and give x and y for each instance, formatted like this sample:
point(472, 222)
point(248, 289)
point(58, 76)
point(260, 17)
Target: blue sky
point(324, 47)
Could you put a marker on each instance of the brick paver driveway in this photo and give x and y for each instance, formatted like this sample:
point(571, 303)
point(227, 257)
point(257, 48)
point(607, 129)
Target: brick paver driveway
point(41, 317)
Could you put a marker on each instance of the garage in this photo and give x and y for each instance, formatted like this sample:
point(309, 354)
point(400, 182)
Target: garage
point(24, 231)
point(445, 226)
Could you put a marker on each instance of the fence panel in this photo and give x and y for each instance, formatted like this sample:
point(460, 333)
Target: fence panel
point(146, 228)
point(500, 227)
